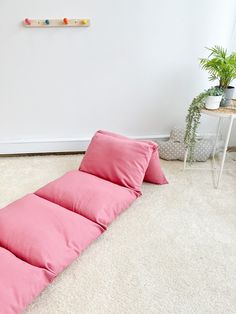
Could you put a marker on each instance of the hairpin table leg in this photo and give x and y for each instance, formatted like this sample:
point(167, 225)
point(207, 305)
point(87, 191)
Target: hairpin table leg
point(225, 150)
point(185, 158)
point(215, 145)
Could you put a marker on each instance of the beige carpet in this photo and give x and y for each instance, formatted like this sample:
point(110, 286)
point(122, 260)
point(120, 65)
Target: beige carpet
point(173, 251)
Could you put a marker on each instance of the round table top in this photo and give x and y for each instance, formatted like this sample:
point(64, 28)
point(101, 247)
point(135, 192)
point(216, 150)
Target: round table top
point(222, 111)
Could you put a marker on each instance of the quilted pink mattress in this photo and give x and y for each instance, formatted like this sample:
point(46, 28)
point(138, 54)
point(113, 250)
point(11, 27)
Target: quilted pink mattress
point(42, 233)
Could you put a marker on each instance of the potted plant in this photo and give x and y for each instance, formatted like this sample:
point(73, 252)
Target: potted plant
point(222, 67)
point(194, 115)
point(214, 98)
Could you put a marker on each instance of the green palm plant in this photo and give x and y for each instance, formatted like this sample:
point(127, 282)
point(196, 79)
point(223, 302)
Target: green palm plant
point(220, 65)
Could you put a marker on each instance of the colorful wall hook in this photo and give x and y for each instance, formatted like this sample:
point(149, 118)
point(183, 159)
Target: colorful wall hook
point(65, 22)
point(27, 21)
point(84, 21)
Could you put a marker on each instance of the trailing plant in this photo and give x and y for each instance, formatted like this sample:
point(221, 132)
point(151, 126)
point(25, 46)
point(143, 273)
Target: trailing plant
point(193, 118)
point(220, 65)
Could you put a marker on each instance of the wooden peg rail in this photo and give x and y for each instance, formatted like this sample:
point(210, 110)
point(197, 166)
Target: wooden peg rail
point(65, 22)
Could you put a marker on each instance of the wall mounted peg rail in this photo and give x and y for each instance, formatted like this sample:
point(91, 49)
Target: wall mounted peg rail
point(65, 22)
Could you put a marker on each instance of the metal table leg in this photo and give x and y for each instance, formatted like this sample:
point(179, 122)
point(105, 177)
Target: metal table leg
point(216, 142)
point(225, 149)
point(185, 158)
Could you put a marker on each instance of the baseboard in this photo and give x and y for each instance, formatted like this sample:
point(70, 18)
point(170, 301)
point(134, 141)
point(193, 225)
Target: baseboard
point(56, 145)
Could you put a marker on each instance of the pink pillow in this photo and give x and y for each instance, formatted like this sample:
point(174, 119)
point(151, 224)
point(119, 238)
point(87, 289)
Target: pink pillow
point(117, 160)
point(44, 234)
point(96, 199)
point(20, 282)
point(154, 173)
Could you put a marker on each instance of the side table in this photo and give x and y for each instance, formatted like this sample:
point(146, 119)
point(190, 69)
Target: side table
point(221, 113)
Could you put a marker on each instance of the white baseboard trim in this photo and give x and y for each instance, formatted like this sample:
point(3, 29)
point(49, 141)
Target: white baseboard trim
point(56, 145)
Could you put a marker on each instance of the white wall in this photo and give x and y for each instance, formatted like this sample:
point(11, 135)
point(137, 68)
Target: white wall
point(134, 71)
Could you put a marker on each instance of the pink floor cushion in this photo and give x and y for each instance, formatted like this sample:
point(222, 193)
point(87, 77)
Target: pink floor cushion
point(154, 173)
point(45, 234)
point(117, 160)
point(20, 282)
point(95, 198)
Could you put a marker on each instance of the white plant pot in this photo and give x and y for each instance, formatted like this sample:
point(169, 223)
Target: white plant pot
point(213, 102)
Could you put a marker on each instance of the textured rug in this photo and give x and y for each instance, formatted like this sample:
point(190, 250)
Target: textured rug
point(172, 251)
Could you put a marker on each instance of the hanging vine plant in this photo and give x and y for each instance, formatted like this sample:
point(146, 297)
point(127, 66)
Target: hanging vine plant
point(193, 119)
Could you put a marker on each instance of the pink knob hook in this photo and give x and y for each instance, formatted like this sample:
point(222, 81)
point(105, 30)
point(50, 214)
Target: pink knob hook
point(27, 21)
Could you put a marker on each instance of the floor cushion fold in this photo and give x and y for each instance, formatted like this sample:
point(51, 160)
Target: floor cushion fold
point(45, 234)
point(96, 199)
point(20, 282)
